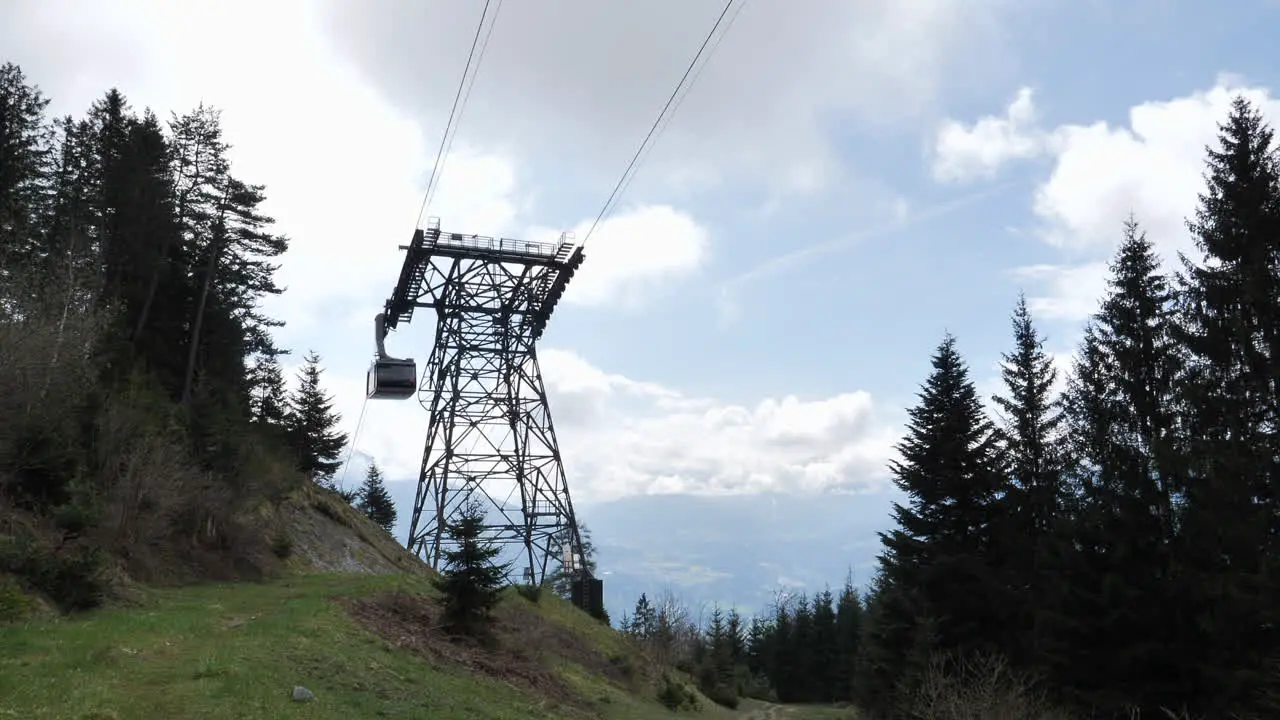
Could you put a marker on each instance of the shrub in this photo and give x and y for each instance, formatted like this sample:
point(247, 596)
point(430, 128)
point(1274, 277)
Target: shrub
point(282, 544)
point(46, 376)
point(981, 686)
point(72, 578)
point(676, 695)
point(532, 593)
point(722, 695)
point(625, 665)
point(757, 687)
point(14, 603)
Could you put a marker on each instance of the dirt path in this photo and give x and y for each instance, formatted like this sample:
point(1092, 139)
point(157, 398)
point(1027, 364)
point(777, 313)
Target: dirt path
point(769, 712)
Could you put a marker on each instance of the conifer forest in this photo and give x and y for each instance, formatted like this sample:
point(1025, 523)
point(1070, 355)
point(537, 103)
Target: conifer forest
point(1110, 540)
point(143, 399)
point(1104, 539)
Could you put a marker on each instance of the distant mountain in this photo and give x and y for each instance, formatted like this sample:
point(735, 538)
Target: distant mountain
point(736, 550)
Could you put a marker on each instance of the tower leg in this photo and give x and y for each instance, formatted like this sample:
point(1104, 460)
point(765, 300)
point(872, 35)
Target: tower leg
point(491, 437)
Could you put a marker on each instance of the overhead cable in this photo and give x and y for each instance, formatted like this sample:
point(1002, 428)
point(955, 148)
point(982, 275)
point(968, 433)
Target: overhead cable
point(459, 101)
point(610, 203)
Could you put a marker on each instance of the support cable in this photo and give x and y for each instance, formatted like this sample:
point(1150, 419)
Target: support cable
point(466, 95)
point(352, 449)
point(680, 101)
point(465, 83)
point(436, 167)
point(610, 203)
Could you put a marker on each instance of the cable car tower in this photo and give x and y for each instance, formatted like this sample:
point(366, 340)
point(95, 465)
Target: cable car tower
point(490, 424)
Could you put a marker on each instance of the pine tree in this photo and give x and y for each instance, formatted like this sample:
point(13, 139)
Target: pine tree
point(375, 501)
point(313, 425)
point(470, 581)
point(231, 251)
point(1230, 324)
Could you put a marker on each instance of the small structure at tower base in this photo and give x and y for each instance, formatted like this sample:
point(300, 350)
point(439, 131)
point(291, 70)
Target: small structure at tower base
point(587, 594)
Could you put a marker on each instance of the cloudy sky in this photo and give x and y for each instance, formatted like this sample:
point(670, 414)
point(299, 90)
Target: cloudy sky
point(847, 180)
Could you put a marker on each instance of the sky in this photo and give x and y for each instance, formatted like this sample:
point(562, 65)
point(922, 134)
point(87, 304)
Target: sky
point(844, 183)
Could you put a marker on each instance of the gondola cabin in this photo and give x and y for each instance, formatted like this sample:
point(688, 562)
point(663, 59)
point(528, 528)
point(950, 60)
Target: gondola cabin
point(392, 379)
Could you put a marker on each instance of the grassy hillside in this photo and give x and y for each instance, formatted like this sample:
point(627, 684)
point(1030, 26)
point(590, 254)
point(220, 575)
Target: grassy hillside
point(356, 641)
point(360, 639)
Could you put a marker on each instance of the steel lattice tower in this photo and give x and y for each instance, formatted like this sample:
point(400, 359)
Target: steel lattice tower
point(490, 424)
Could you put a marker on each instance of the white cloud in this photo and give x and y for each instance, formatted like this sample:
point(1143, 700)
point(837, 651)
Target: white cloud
point(967, 152)
point(1152, 167)
point(622, 437)
point(1072, 291)
point(902, 216)
point(345, 170)
point(634, 253)
point(576, 83)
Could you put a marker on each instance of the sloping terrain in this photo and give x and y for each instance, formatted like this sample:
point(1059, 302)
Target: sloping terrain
point(351, 621)
point(325, 534)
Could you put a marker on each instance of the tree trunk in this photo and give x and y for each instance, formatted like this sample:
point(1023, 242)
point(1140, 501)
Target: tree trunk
point(197, 325)
point(162, 262)
point(215, 248)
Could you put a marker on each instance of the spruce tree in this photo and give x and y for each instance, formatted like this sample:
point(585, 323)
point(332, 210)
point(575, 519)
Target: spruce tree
point(782, 663)
point(949, 470)
point(268, 399)
point(891, 625)
point(825, 652)
point(1032, 454)
point(64, 260)
point(1230, 325)
point(757, 647)
point(848, 632)
point(1121, 410)
point(375, 501)
point(470, 581)
point(313, 422)
point(736, 633)
point(157, 271)
point(715, 677)
point(644, 619)
point(803, 673)
point(25, 155)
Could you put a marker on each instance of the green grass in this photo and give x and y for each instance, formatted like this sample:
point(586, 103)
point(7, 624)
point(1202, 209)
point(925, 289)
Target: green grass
point(237, 651)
